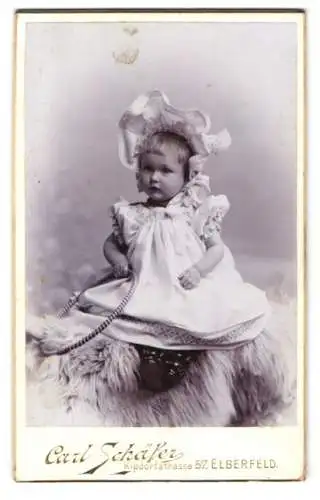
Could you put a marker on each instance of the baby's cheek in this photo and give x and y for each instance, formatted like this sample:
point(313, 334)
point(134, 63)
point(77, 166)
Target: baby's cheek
point(178, 182)
point(145, 180)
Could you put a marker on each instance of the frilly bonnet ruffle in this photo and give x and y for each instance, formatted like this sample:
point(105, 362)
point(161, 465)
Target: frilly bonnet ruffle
point(151, 113)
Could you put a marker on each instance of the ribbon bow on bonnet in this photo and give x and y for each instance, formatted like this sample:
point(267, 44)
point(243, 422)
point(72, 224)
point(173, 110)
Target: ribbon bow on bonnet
point(152, 113)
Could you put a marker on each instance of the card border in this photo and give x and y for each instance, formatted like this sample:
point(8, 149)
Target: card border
point(21, 17)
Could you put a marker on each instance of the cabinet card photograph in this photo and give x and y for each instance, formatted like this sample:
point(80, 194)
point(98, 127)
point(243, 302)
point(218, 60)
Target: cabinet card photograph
point(159, 246)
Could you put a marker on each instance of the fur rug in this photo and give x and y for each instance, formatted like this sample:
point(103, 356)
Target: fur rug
point(96, 385)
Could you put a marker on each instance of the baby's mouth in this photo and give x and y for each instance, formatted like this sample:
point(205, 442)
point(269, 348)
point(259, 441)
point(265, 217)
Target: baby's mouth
point(154, 189)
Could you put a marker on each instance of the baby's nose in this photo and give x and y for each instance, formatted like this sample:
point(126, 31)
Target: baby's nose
point(155, 176)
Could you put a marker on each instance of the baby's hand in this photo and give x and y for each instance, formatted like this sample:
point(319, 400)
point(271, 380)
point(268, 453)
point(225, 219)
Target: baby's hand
point(190, 278)
point(121, 268)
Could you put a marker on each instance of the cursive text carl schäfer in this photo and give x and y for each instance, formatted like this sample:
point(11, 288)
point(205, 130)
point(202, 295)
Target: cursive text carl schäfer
point(112, 452)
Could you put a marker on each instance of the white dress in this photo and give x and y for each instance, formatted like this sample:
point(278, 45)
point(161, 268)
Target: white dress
point(221, 312)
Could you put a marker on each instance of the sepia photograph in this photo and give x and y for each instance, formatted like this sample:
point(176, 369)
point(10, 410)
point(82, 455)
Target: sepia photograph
point(161, 210)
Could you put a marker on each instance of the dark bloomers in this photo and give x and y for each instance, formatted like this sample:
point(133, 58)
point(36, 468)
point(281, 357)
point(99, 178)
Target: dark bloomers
point(162, 369)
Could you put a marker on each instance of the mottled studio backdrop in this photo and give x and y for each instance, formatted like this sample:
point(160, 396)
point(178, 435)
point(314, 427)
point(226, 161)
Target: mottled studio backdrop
point(79, 79)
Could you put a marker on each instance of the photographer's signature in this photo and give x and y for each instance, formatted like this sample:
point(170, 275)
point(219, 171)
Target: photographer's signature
point(115, 453)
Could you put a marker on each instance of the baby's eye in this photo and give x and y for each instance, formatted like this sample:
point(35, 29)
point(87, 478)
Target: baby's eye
point(146, 168)
point(166, 170)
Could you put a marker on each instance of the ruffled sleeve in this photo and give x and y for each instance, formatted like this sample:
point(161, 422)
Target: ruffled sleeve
point(127, 218)
point(209, 216)
point(117, 220)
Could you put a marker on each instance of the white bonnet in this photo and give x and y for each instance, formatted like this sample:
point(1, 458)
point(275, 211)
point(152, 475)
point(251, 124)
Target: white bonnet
point(151, 113)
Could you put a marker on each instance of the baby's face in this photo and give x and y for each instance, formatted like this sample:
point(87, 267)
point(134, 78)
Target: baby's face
point(161, 175)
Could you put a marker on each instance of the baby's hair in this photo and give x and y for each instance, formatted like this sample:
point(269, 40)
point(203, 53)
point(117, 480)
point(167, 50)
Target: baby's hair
point(184, 151)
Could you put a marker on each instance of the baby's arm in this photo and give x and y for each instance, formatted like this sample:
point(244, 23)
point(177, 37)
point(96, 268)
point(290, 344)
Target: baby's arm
point(215, 250)
point(212, 257)
point(116, 256)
